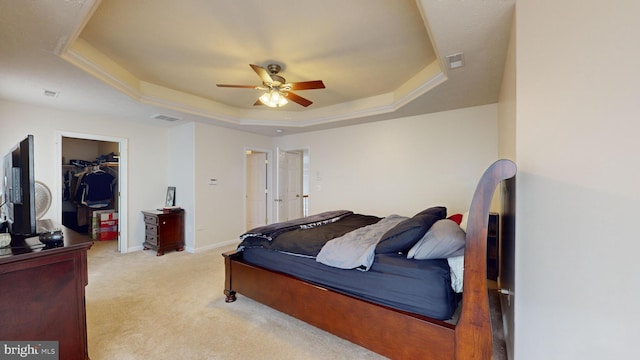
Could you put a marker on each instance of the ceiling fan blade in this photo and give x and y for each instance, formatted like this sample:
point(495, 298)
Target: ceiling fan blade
point(257, 103)
point(307, 85)
point(263, 73)
point(298, 99)
point(238, 86)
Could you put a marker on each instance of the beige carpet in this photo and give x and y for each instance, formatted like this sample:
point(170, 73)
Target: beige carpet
point(142, 306)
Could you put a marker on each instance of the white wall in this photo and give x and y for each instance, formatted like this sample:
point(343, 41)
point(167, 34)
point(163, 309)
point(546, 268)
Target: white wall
point(180, 173)
point(408, 164)
point(147, 171)
point(507, 103)
point(578, 111)
point(220, 209)
point(400, 166)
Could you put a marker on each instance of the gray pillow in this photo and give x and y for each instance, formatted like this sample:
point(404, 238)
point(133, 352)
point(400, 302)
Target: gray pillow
point(404, 235)
point(443, 240)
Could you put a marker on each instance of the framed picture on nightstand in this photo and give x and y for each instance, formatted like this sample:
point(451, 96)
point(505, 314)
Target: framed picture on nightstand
point(171, 196)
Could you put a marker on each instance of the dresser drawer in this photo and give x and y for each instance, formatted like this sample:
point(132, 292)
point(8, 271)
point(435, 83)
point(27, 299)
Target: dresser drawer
point(150, 219)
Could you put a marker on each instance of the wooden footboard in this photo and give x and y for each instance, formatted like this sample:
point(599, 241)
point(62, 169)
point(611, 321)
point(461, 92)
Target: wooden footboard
point(389, 332)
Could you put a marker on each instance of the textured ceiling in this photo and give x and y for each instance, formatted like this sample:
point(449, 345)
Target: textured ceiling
point(379, 59)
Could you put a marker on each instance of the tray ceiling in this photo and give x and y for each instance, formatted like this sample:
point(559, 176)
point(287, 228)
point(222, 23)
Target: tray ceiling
point(379, 59)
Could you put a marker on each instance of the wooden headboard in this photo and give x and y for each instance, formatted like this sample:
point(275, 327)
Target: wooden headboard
point(473, 332)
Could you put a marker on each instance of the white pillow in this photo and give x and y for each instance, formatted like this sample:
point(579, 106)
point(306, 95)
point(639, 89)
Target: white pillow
point(463, 222)
point(443, 240)
point(456, 264)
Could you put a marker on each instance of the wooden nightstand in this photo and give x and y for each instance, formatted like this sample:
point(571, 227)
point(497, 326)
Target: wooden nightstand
point(164, 230)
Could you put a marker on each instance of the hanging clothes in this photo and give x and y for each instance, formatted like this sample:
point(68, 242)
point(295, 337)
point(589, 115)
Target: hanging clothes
point(96, 189)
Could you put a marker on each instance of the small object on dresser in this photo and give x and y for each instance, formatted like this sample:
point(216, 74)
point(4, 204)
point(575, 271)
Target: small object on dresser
point(5, 239)
point(52, 238)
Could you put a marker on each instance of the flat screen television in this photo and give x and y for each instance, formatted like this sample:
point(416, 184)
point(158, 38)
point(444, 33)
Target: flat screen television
point(19, 189)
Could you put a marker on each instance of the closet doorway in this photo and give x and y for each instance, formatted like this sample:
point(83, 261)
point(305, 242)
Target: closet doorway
point(92, 187)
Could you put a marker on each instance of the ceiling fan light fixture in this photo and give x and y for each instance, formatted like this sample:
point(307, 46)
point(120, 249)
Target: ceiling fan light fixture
point(277, 89)
point(273, 98)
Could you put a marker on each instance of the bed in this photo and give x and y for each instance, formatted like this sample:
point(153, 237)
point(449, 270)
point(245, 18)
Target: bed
point(442, 324)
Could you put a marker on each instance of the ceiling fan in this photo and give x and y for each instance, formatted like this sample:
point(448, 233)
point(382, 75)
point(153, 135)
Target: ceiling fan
point(277, 89)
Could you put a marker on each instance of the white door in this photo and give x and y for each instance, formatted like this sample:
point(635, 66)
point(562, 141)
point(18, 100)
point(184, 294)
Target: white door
point(256, 189)
point(290, 185)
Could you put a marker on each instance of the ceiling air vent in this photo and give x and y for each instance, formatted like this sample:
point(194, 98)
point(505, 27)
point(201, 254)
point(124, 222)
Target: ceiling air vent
point(455, 61)
point(165, 117)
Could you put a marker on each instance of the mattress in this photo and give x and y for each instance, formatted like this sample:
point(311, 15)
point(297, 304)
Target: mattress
point(416, 286)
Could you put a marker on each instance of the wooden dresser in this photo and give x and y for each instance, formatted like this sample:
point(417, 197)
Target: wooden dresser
point(164, 230)
point(42, 292)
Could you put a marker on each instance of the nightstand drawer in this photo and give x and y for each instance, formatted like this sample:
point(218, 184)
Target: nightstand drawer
point(151, 239)
point(150, 219)
point(150, 229)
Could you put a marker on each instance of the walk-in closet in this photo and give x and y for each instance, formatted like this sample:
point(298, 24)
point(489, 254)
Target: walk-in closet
point(90, 187)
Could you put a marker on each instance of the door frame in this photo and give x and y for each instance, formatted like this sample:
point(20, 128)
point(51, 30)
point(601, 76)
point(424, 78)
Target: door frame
point(123, 146)
point(270, 192)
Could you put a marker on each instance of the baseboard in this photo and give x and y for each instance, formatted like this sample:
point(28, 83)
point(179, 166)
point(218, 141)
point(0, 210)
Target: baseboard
point(213, 246)
point(134, 248)
point(191, 249)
